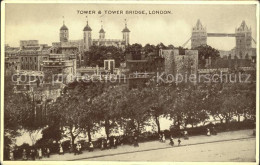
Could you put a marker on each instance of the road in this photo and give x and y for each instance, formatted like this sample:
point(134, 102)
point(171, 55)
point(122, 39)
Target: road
point(227, 151)
point(226, 146)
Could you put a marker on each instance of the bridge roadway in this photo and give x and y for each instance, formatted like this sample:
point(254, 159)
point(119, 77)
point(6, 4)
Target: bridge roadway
point(221, 34)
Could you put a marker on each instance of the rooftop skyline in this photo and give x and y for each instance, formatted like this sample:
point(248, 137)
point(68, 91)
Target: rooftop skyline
point(43, 21)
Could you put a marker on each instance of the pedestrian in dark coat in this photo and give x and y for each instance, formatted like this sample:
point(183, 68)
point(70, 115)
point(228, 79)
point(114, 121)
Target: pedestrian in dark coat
point(108, 144)
point(115, 142)
point(24, 154)
point(136, 142)
point(171, 141)
point(179, 141)
point(91, 147)
point(33, 154)
point(160, 138)
point(48, 152)
point(61, 152)
point(102, 145)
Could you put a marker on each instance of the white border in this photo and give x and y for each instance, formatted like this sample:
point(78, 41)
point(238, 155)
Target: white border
point(123, 2)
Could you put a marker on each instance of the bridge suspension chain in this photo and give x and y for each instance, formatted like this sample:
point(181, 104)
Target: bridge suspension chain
point(186, 42)
point(253, 40)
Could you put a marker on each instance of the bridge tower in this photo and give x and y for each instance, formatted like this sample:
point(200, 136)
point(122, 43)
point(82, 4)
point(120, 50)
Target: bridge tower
point(243, 40)
point(199, 35)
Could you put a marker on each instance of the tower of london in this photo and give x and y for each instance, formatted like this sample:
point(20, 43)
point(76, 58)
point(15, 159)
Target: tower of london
point(87, 41)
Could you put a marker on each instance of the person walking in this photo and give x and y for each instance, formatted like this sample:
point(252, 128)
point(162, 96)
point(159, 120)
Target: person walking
point(48, 152)
point(171, 141)
point(108, 144)
point(102, 145)
point(179, 142)
point(115, 143)
point(208, 132)
point(186, 137)
point(32, 153)
point(11, 154)
point(77, 150)
point(91, 147)
point(61, 152)
point(136, 141)
point(163, 138)
point(24, 154)
point(40, 153)
point(160, 138)
point(80, 152)
point(214, 131)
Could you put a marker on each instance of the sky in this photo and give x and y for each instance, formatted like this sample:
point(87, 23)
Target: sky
point(43, 21)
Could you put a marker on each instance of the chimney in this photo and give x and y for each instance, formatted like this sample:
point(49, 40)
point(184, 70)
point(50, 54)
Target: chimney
point(209, 61)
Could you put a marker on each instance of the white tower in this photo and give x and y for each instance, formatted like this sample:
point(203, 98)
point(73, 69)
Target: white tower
point(102, 32)
point(87, 37)
point(126, 32)
point(64, 33)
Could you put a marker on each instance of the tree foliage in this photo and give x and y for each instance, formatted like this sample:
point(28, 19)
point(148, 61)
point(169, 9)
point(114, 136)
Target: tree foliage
point(205, 52)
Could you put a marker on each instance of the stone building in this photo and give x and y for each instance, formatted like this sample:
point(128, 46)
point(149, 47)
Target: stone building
point(59, 67)
point(243, 47)
point(145, 66)
point(78, 47)
point(12, 61)
point(32, 54)
point(102, 41)
point(199, 35)
point(86, 42)
point(177, 63)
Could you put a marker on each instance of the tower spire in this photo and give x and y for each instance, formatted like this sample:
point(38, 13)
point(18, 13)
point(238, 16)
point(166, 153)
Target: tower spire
point(101, 24)
point(125, 23)
point(87, 19)
point(63, 20)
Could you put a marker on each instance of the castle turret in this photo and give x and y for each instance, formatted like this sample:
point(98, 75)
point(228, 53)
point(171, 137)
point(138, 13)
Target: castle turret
point(102, 32)
point(64, 33)
point(199, 35)
point(243, 40)
point(87, 40)
point(126, 32)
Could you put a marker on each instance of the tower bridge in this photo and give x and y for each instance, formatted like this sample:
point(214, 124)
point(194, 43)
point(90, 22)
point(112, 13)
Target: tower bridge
point(242, 35)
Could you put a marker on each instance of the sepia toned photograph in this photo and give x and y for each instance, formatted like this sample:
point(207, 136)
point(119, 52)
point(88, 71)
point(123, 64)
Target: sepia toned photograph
point(130, 82)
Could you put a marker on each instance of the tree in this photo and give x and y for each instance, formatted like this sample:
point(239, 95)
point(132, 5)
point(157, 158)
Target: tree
point(182, 50)
point(160, 96)
point(149, 48)
point(170, 46)
point(205, 52)
point(186, 106)
point(97, 54)
point(135, 50)
point(236, 99)
point(135, 108)
point(193, 108)
point(107, 106)
point(214, 101)
point(19, 113)
point(75, 108)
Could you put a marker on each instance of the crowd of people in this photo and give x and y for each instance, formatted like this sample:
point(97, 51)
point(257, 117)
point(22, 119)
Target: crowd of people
point(33, 154)
point(105, 144)
point(163, 139)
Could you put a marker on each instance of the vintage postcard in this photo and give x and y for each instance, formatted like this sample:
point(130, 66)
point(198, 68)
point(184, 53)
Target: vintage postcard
point(124, 82)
